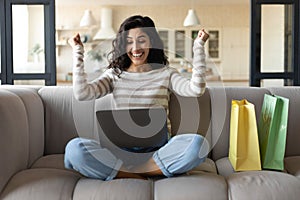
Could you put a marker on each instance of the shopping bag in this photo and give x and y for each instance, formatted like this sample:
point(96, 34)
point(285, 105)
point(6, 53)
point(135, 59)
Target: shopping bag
point(244, 152)
point(272, 130)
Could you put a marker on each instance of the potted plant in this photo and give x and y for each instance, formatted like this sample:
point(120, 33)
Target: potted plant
point(97, 59)
point(95, 54)
point(35, 52)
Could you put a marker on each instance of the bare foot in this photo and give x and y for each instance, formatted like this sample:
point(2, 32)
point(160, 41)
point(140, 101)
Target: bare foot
point(149, 168)
point(122, 174)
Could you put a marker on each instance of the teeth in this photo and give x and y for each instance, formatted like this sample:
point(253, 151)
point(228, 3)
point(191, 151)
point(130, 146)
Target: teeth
point(137, 54)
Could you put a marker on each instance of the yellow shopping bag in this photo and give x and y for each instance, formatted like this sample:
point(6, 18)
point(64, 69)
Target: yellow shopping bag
point(244, 151)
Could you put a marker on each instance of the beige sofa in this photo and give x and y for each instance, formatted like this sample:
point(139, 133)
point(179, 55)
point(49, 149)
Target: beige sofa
point(37, 122)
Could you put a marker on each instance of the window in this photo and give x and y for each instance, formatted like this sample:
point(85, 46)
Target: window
point(28, 42)
point(274, 63)
point(179, 44)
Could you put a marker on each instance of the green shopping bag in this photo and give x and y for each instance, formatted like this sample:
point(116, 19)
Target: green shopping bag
point(272, 130)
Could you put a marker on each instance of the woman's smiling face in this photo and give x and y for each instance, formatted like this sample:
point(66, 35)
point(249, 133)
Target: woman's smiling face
point(137, 46)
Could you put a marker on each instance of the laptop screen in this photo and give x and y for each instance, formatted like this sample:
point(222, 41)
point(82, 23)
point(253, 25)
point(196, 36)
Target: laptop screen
point(135, 128)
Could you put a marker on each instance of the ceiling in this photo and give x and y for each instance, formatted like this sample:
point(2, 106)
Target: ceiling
point(153, 2)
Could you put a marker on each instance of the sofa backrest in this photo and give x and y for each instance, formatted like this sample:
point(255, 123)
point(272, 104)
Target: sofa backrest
point(67, 118)
point(186, 114)
point(221, 98)
point(62, 112)
point(293, 128)
point(209, 115)
point(190, 114)
point(221, 107)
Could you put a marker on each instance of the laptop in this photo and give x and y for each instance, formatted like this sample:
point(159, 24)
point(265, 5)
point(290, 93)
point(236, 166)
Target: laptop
point(134, 128)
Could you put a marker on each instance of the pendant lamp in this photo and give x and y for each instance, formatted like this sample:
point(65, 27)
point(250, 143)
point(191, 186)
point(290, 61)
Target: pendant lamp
point(87, 19)
point(191, 19)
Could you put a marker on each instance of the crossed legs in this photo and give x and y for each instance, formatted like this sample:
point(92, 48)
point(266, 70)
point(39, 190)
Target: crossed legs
point(179, 155)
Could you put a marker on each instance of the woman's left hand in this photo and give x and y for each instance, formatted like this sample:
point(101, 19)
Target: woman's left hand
point(203, 35)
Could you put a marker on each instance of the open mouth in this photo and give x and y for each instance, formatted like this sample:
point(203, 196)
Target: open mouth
point(137, 55)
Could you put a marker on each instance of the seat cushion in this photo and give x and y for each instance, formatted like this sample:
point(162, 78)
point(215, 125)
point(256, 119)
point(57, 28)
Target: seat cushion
point(36, 184)
point(224, 167)
point(97, 189)
point(207, 166)
point(133, 189)
point(198, 186)
point(292, 165)
point(261, 185)
point(55, 161)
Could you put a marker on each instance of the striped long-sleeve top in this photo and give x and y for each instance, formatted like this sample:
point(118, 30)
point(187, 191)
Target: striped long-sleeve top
point(140, 89)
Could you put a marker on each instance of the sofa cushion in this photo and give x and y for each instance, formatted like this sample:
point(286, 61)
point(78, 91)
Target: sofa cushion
point(207, 166)
point(292, 165)
point(190, 114)
point(65, 118)
point(199, 186)
point(55, 161)
point(59, 126)
point(133, 189)
point(224, 167)
point(36, 184)
point(261, 185)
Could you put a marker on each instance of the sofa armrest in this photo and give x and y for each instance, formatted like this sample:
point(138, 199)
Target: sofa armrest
point(14, 141)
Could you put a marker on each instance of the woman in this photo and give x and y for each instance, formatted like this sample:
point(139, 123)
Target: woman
point(138, 76)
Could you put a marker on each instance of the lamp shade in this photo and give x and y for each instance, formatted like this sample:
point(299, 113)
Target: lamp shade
point(191, 19)
point(87, 19)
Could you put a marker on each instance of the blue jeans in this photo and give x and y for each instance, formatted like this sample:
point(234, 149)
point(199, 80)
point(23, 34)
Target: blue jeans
point(181, 154)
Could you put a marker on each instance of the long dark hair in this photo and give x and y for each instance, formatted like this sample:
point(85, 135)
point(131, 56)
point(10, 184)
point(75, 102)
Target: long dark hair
point(118, 58)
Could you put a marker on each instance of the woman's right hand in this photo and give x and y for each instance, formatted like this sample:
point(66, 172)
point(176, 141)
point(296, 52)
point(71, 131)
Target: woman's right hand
point(75, 40)
point(203, 35)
